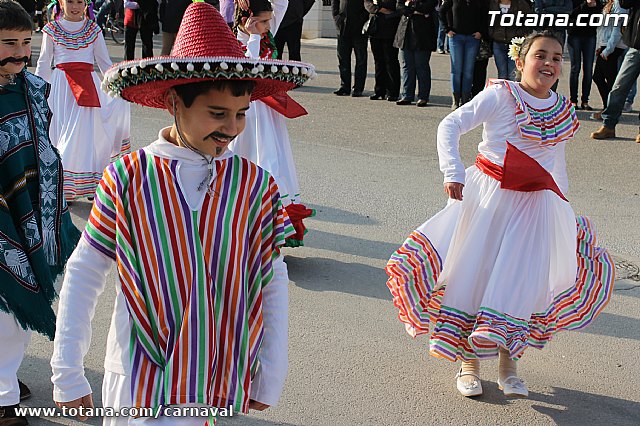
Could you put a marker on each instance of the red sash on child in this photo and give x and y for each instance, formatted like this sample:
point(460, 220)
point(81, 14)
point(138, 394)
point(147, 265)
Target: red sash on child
point(285, 105)
point(519, 173)
point(81, 82)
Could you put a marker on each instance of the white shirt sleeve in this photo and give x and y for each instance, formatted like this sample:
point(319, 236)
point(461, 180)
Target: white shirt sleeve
point(459, 122)
point(279, 9)
point(102, 54)
point(559, 171)
point(253, 46)
point(273, 357)
point(84, 281)
point(43, 68)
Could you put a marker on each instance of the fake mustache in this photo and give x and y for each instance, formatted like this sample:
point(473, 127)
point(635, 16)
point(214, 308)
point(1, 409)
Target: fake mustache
point(219, 135)
point(11, 59)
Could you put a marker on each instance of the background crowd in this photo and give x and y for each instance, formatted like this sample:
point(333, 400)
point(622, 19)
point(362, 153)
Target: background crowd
point(404, 33)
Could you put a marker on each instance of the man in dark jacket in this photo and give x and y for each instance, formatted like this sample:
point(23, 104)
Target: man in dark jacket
point(349, 17)
point(171, 13)
point(385, 55)
point(628, 73)
point(290, 29)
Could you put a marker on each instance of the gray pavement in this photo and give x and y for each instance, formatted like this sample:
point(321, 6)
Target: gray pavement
point(370, 169)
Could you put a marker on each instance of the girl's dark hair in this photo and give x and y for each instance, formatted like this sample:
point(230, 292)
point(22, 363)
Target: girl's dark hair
point(189, 92)
point(14, 17)
point(528, 42)
point(246, 8)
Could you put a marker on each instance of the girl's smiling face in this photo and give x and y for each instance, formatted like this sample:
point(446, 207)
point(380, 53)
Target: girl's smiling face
point(73, 9)
point(541, 67)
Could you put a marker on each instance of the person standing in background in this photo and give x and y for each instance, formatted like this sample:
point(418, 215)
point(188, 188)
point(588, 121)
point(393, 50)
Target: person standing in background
point(385, 55)
point(290, 30)
point(171, 12)
point(349, 17)
point(140, 15)
point(582, 51)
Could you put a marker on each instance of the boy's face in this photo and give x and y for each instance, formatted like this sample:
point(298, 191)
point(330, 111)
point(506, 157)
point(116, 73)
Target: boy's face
point(213, 120)
point(15, 50)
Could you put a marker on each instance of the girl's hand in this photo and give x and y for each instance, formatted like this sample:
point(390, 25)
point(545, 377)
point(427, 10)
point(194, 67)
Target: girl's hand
point(250, 26)
point(450, 34)
point(85, 401)
point(454, 190)
point(477, 35)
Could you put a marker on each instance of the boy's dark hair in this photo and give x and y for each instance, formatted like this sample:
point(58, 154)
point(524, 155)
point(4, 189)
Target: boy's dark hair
point(189, 92)
point(14, 17)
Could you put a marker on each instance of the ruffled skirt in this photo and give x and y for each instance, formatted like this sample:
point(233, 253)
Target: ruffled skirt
point(499, 269)
point(87, 138)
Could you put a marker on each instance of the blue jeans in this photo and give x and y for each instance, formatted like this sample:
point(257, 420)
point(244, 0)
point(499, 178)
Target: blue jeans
point(582, 52)
point(415, 63)
point(627, 75)
point(634, 89)
point(463, 50)
point(505, 65)
point(443, 40)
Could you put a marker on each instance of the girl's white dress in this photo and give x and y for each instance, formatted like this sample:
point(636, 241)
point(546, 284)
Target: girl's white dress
point(502, 268)
point(265, 139)
point(88, 138)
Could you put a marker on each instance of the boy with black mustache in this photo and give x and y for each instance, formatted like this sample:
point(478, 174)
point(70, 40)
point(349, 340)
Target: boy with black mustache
point(36, 232)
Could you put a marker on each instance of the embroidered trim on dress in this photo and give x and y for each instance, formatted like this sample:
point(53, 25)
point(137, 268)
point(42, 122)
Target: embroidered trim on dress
point(548, 126)
point(73, 40)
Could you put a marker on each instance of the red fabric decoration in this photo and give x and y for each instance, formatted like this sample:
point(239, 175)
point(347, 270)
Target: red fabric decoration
point(285, 105)
point(296, 213)
point(520, 172)
point(81, 83)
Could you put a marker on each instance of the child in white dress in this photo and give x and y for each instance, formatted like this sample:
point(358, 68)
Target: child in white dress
point(497, 270)
point(265, 140)
point(88, 128)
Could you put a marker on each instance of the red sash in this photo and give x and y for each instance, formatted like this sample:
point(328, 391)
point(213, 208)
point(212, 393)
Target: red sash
point(520, 172)
point(285, 105)
point(81, 82)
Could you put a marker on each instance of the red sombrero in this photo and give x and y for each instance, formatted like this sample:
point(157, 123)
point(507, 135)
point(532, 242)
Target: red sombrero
point(205, 49)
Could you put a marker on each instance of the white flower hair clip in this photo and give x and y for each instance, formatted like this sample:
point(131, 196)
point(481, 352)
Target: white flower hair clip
point(515, 47)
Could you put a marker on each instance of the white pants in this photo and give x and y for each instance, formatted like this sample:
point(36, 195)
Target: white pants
point(116, 393)
point(14, 341)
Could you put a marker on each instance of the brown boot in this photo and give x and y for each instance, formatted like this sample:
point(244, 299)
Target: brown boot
point(604, 133)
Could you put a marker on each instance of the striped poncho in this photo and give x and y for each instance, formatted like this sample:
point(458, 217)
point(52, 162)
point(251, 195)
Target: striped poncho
point(192, 279)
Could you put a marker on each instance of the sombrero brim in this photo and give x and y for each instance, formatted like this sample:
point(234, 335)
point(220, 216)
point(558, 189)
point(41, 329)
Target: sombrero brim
point(146, 81)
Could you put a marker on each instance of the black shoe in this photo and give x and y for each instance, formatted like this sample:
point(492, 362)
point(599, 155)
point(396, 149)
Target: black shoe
point(342, 92)
point(404, 102)
point(25, 392)
point(392, 98)
point(422, 103)
point(8, 416)
point(376, 97)
point(356, 93)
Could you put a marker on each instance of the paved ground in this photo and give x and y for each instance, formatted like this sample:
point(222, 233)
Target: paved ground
point(370, 169)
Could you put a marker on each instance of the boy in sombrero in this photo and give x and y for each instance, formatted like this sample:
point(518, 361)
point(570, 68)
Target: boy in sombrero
point(201, 307)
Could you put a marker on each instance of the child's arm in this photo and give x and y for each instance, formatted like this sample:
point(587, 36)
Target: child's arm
point(43, 68)
point(101, 54)
point(467, 117)
point(84, 281)
point(559, 171)
point(268, 381)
